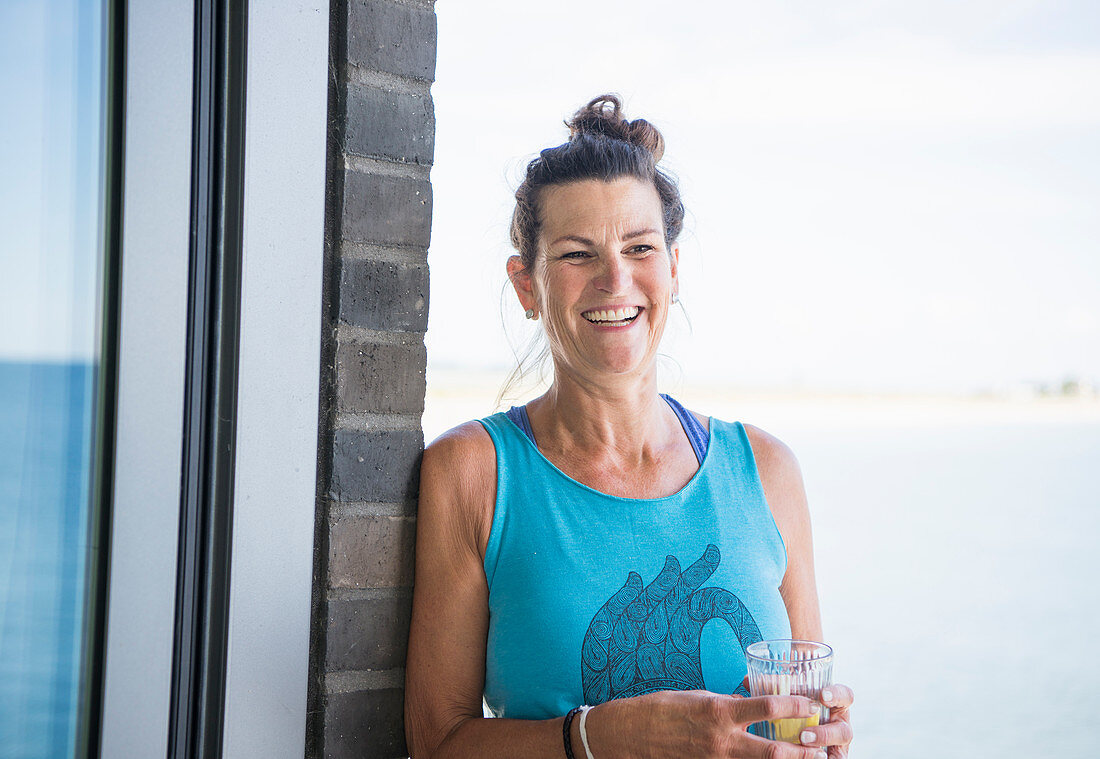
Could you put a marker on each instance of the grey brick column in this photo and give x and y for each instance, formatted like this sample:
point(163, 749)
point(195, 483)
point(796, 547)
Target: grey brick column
point(381, 143)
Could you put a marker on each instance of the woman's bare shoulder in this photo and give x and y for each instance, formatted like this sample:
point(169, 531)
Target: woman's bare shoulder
point(458, 480)
point(781, 478)
point(462, 442)
point(769, 451)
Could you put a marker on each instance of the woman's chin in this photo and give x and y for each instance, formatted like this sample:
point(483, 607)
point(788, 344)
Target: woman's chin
point(619, 366)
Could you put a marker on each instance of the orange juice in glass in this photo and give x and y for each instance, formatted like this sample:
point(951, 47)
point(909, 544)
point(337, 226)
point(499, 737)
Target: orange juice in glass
point(789, 668)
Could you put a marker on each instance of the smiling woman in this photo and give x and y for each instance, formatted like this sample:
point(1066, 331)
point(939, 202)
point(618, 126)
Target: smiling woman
point(605, 277)
point(570, 551)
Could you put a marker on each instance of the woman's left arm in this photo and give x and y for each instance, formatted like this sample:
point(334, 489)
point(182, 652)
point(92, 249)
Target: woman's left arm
point(781, 479)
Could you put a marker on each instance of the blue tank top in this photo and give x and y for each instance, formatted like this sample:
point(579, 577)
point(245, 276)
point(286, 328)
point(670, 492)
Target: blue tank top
point(594, 597)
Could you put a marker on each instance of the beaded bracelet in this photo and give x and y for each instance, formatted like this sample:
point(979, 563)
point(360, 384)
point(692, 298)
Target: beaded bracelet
point(566, 737)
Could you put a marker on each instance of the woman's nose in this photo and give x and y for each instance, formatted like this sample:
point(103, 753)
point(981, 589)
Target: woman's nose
point(613, 277)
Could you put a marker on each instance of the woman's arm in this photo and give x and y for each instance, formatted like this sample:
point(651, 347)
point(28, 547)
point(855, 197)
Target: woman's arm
point(445, 666)
point(445, 669)
point(781, 478)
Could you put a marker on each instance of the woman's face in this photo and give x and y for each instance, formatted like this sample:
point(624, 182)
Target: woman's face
point(603, 277)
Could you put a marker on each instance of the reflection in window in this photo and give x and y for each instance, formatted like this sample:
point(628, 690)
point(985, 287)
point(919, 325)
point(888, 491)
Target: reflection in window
point(51, 196)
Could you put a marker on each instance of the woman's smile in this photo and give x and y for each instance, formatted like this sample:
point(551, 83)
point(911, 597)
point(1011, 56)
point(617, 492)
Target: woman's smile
point(622, 316)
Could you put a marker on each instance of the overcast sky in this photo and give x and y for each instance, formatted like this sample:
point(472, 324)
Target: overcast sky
point(51, 92)
point(881, 195)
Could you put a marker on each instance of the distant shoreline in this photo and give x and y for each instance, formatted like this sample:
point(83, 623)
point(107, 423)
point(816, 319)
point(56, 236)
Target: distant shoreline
point(455, 396)
point(449, 378)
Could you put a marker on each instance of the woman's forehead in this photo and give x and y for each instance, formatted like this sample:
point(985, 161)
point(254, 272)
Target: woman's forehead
point(593, 206)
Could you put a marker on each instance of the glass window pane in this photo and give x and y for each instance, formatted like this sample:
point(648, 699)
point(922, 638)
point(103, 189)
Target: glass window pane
point(51, 201)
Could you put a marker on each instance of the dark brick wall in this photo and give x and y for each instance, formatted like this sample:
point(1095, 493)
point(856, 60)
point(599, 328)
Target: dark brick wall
point(378, 226)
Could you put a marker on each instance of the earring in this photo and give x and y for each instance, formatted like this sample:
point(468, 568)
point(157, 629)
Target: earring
point(529, 313)
point(676, 297)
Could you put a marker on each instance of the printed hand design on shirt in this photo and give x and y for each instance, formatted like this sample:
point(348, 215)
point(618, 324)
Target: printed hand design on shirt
point(646, 639)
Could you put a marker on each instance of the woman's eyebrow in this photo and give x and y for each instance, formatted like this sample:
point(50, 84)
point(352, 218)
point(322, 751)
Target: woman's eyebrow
point(573, 238)
point(586, 241)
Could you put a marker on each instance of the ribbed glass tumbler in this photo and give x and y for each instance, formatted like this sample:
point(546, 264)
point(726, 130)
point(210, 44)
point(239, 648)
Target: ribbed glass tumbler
point(789, 668)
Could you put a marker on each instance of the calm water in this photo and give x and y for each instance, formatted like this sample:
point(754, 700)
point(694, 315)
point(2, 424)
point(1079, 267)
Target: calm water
point(957, 564)
point(958, 570)
point(45, 438)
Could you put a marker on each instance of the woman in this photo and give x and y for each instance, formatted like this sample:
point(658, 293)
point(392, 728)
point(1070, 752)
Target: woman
point(573, 551)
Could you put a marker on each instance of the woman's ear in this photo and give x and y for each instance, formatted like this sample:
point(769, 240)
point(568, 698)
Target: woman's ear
point(520, 278)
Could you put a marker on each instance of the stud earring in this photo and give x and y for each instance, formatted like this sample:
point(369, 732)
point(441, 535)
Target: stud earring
point(676, 297)
point(529, 313)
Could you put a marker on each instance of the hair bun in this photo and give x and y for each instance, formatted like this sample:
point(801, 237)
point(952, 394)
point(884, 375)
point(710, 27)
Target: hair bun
point(604, 116)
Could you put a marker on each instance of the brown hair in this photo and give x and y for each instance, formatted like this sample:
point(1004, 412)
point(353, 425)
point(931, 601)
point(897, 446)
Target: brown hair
point(604, 145)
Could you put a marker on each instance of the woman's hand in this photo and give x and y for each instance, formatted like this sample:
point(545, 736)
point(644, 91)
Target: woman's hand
point(836, 734)
point(695, 723)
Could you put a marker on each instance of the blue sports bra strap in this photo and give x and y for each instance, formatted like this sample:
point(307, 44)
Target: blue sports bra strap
point(518, 415)
point(697, 434)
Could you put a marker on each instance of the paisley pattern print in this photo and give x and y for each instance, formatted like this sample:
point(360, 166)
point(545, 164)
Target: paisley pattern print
point(646, 638)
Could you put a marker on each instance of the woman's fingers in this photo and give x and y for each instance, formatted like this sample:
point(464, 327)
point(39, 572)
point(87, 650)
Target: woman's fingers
point(837, 733)
point(761, 748)
point(764, 708)
point(837, 696)
point(745, 711)
point(829, 734)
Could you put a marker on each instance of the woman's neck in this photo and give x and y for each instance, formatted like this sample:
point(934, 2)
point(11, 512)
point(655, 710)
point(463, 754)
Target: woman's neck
point(626, 416)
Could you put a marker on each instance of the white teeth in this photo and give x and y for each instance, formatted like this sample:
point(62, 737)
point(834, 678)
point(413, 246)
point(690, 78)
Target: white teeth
point(612, 315)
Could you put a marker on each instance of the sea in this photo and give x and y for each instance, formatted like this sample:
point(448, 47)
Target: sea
point(957, 568)
point(957, 549)
point(957, 554)
point(45, 446)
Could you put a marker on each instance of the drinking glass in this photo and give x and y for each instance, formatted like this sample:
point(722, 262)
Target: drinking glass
point(789, 668)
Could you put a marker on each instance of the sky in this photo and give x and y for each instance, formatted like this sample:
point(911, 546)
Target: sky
point(50, 153)
point(881, 195)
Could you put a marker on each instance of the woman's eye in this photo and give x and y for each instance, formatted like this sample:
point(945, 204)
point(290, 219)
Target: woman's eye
point(575, 254)
point(640, 249)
